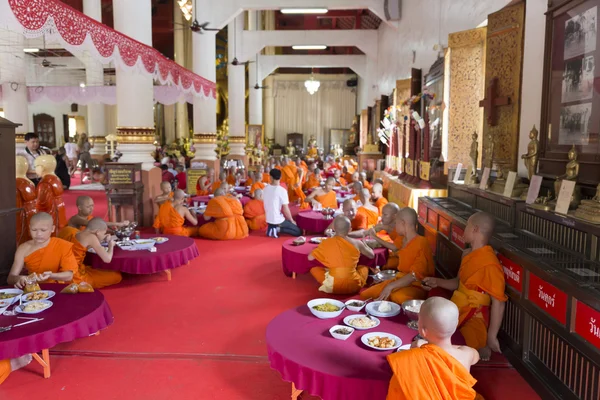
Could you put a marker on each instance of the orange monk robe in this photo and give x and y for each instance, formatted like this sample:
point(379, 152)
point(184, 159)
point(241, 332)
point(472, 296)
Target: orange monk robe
point(312, 153)
point(254, 212)
point(311, 182)
point(429, 373)
point(393, 237)
point(481, 278)
point(229, 220)
point(343, 182)
point(230, 179)
point(289, 175)
point(170, 222)
point(256, 185)
point(216, 184)
point(56, 257)
point(342, 274)
point(200, 192)
point(96, 277)
point(348, 177)
point(27, 202)
point(327, 200)
point(49, 200)
point(5, 370)
point(415, 258)
point(266, 178)
point(372, 216)
point(382, 201)
point(367, 185)
point(156, 223)
point(359, 222)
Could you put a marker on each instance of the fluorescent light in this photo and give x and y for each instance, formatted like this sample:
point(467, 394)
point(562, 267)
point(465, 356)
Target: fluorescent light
point(31, 50)
point(309, 47)
point(82, 85)
point(304, 11)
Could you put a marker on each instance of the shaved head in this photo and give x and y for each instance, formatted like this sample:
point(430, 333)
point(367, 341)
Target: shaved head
point(357, 187)
point(165, 186)
point(388, 213)
point(40, 218)
point(480, 225)
point(377, 189)
point(364, 196)
point(355, 176)
point(83, 200)
point(258, 194)
point(378, 180)
point(349, 208)
point(225, 187)
point(341, 225)
point(219, 192)
point(408, 215)
point(96, 224)
point(41, 227)
point(438, 318)
point(179, 195)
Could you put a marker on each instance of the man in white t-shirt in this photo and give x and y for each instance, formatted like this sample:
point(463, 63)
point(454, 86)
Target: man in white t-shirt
point(72, 151)
point(279, 217)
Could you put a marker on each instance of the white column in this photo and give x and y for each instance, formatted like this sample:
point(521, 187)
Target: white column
point(135, 91)
point(181, 115)
point(255, 114)
point(205, 109)
point(236, 80)
point(269, 108)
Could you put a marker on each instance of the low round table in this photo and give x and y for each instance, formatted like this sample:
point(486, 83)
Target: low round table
point(294, 259)
point(312, 221)
point(303, 351)
point(72, 316)
point(177, 251)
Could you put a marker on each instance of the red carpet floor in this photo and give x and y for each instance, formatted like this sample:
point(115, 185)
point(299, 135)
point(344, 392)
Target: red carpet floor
point(200, 336)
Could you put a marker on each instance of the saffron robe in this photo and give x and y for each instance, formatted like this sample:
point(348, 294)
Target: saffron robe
point(27, 200)
point(200, 192)
point(49, 200)
point(311, 182)
point(327, 200)
point(312, 153)
point(382, 201)
point(359, 222)
point(367, 185)
point(371, 215)
point(254, 212)
point(342, 181)
point(216, 184)
point(96, 277)
point(342, 274)
point(348, 177)
point(249, 182)
point(170, 222)
point(231, 179)
point(156, 224)
point(266, 178)
point(256, 185)
point(5, 370)
point(56, 257)
point(229, 221)
point(392, 261)
point(415, 257)
point(429, 373)
point(481, 277)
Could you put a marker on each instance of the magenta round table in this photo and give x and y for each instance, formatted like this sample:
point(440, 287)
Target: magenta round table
point(177, 251)
point(72, 316)
point(312, 221)
point(294, 259)
point(303, 351)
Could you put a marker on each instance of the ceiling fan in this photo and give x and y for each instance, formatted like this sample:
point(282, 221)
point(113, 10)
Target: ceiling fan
point(235, 61)
point(257, 86)
point(45, 63)
point(200, 27)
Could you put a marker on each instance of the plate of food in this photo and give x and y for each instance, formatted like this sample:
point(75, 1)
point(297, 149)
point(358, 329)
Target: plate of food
point(39, 295)
point(160, 240)
point(355, 305)
point(143, 244)
point(299, 241)
point(326, 308)
point(10, 295)
point(361, 322)
point(341, 332)
point(34, 307)
point(383, 309)
point(381, 341)
point(318, 240)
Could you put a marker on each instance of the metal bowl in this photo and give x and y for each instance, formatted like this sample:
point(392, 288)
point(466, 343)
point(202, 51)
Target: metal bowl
point(411, 303)
point(125, 232)
point(385, 275)
point(328, 213)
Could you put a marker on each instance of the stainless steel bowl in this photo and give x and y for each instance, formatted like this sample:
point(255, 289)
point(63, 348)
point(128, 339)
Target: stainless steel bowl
point(125, 232)
point(385, 275)
point(411, 303)
point(328, 213)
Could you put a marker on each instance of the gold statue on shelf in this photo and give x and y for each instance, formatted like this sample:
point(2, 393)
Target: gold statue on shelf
point(531, 158)
point(489, 152)
point(474, 155)
point(571, 173)
point(290, 149)
point(589, 210)
point(312, 142)
point(544, 202)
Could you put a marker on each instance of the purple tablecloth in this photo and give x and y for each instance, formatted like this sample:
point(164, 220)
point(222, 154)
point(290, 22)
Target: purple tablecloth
point(312, 221)
point(295, 258)
point(179, 250)
point(72, 316)
point(303, 351)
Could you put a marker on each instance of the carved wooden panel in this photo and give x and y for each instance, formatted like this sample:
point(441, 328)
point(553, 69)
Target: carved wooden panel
point(504, 60)
point(402, 93)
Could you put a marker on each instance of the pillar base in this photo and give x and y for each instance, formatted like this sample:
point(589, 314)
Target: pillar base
point(136, 145)
point(99, 146)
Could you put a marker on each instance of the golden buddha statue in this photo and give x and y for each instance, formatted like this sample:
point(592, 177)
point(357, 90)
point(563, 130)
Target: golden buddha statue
point(474, 155)
point(571, 173)
point(290, 149)
point(489, 152)
point(312, 142)
point(531, 157)
point(589, 210)
point(544, 202)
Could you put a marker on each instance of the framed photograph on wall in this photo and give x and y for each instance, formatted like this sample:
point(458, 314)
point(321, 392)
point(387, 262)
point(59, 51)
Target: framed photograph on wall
point(255, 135)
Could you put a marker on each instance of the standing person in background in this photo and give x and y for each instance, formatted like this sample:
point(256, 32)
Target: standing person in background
point(85, 146)
point(32, 151)
point(62, 168)
point(72, 151)
point(181, 177)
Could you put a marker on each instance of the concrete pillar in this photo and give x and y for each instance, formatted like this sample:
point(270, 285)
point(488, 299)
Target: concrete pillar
point(181, 116)
point(236, 81)
point(255, 101)
point(269, 108)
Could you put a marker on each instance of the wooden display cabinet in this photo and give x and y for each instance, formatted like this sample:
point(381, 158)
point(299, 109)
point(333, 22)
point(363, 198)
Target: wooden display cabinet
point(8, 203)
point(125, 188)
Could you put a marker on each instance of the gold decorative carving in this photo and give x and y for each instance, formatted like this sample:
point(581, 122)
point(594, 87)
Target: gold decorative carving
point(19, 138)
point(402, 93)
point(237, 139)
point(135, 135)
point(205, 138)
point(467, 70)
point(504, 60)
point(98, 139)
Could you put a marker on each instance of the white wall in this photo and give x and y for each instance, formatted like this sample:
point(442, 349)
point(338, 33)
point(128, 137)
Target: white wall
point(56, 111)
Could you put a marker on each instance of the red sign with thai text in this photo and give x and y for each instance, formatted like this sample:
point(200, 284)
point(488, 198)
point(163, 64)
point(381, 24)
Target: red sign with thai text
point(432, 218)
point(444, 227)
point(422, 211)
point(587, 323)
point(513, 272)
point(458, 236)
point(549, 298)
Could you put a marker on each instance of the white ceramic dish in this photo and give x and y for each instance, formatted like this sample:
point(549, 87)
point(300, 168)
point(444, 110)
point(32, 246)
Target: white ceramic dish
point(323, 314)
point(404, 347)
point(354, 308)
point(351, 317)
point(339, 335)
point(143, 244)
point(25, 297)
point(12, 300)
point(365, 339)
point(20, 307)
point(373, 309)
point(160, 240)
point(318, 240)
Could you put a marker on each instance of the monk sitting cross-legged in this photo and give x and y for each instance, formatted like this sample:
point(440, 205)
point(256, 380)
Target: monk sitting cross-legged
point(434, 369)
point(357, 188)
point(325, 197)
point(90, 238)
point(205, 183)
point(478, 288)
point(8, 366)
point(415, 263)
point(339, 181)
point(231, 176)
point(254, 212)
point(386, 230)
point(313, 180)
point(85, 212)
point(229, 218)
point(266, 178)
point(173, 214)
point(358, 222)
point(367, 209)
point(364, 181)
point(340, 255)
point(377, 197)
point(258, 184)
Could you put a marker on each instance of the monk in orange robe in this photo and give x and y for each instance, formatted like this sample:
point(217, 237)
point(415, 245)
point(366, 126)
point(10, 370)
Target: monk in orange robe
point(254, 212)
point(346, 175)
point(231, 178)
point(337, 175)
point(377, 197)
point(49, 257)
point(266, 178)
point(415, 263)
point(295, 193)
point(434, 369)
point(89, 238)
point(478, 288)
point(386, 230)
point(49, 191)
point(340, 255)
point(205, 183)
point(229, 221)
point(312, 152)
point(324, 196)
point(27, 201)
point(85, 211)
point(258, 184)
point(8, 366)
point(367, 209)
point(364, 181)
point(173, 214)
point(313, 180)
point(358, 222)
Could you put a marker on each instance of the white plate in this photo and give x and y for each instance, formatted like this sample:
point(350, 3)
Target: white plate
point(366, 336)
point(12, 300)
point(351, 317)
point(161, 242)
point(404, 347)
point(373, 308)
point(50, 294)
point(20, 310)
point(318, 240)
